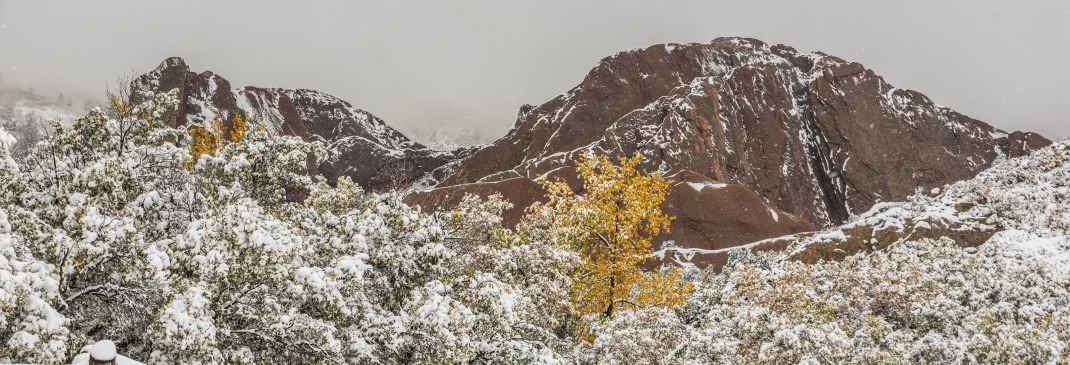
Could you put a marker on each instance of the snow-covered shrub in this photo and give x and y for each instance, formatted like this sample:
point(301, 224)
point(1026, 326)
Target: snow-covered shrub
point(922, 302)
point(528, 262)
point(30, 327)
point(78, 211)
point(114, 230)
point(654, 335)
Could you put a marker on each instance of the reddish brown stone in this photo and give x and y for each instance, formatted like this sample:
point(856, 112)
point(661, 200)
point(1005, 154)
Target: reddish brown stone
point(811, 134)
point(359, 145)
point(810, 139)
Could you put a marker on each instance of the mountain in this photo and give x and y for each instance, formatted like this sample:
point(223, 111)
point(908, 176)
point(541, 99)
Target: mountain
point(359, 145)
point(1020, 202)
point(757, 139)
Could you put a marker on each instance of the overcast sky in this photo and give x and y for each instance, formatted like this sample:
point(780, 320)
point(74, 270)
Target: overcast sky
point(433, 63)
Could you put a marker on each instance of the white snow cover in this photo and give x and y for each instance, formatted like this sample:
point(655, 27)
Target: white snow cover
point(700, 186)
point(102, 350)
point(920, 300)
point(203, 260)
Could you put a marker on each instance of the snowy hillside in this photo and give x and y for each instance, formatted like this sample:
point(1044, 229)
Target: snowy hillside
point(27, 114)
point(1019, 204)
point(977, 273)
point(124, 230)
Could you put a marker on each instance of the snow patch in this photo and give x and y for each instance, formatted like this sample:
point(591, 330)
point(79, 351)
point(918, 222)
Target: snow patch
point(700, 186)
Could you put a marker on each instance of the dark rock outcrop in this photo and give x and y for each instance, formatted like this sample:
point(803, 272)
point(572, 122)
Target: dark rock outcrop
point(812, 137)
point(758, 141)
point(359, 145)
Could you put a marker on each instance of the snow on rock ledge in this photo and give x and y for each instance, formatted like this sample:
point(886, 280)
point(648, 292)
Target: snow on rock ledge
point(1022, 204)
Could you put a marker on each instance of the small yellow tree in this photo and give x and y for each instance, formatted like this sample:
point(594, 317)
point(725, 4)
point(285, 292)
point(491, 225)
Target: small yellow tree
point(239, 127)
point(206, 140)
point(613, 223)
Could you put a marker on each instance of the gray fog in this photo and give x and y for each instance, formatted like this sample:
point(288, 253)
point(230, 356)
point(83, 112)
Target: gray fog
point(435, 64)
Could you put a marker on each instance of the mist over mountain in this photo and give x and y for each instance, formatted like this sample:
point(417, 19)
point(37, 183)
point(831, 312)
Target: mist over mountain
point(408, 63)
point(27, 113)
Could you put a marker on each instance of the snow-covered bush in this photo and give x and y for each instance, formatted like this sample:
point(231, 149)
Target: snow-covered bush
point(531, 265)
point(921, 300)
point(654, 335)
point(78, 211)
point(30, 327)
point(120, 232)
point(113, 229)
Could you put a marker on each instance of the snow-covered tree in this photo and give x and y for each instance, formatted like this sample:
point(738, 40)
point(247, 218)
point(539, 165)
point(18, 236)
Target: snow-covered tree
point(31, 328)
point(133, 231)
point(535, 268)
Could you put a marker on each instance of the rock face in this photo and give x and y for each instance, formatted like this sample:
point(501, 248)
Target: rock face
point(758, 141)
point(359, 145)
point(779, 141)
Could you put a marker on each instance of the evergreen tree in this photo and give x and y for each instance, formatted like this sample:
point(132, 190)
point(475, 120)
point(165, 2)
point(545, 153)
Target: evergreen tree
point(27, 136)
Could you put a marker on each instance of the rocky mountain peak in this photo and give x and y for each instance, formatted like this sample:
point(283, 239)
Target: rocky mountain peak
point(360, 145)
point(814, 137)
point(757, 140)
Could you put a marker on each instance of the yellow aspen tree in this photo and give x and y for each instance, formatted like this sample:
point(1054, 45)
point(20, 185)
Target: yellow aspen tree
point(239, 126)
point(203, 141)
point(613, 223)
point(206, 140)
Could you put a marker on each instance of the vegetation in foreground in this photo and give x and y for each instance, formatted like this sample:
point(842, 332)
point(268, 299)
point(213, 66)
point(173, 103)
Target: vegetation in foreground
point(187, 246)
